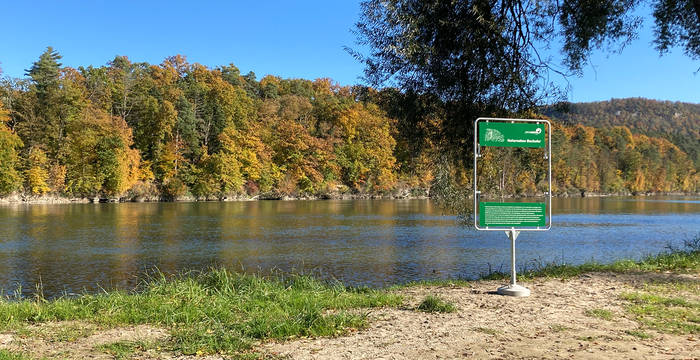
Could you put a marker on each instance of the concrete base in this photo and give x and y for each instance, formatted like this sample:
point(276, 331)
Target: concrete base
point(514, 290)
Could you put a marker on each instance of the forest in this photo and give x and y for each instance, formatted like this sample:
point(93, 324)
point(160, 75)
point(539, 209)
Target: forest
point(676, 121)
point(178, 130)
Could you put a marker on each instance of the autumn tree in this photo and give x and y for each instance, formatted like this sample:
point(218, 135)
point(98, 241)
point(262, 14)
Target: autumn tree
point(10, 144)
point(36, 173)
point(367, 155)
point(178, 129)
point(100, 159)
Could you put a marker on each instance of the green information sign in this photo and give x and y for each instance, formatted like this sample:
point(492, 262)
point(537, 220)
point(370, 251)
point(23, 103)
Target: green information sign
point(511, 134)
point(511, 214)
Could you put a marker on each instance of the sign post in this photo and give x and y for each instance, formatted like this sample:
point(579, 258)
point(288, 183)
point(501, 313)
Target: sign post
point(512, 217)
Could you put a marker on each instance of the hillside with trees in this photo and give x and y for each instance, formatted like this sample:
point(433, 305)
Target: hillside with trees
point(181, 130)
point(676, 121)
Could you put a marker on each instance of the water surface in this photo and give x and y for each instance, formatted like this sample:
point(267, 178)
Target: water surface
point(83, 247)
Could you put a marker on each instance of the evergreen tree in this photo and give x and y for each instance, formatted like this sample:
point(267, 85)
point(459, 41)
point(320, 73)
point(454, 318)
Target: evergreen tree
point(45, 73)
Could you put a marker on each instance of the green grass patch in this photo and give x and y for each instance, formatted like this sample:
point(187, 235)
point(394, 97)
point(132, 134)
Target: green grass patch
point(685, 260)
point(449, 283)
point(434, 304)
point(59, 332)
point(215, 311)
point(639, 334)
point(679, 261)
point(486, 330)
point(675, 286)
point(600, 314)
point(71, 334)
point(666, 314)
point(9, 355)
point(120, 349)
point(126, 349)
point(558, 328)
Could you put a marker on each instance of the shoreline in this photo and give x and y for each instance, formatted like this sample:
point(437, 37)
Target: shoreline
point(17, 199)
point(629, 309)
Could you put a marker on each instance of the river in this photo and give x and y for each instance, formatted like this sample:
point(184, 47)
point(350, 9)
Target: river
point(73, 248)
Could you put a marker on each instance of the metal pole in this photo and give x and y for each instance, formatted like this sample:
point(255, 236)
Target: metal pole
point(513, 289)
point(476, 155)
point(512, 257)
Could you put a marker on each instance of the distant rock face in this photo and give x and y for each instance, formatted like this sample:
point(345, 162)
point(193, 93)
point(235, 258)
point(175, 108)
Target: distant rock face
point(17, 198)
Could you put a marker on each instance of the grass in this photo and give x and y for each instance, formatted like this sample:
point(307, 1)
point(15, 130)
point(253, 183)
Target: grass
point(662, 313)
point(216, 311)
point(558, 328)
point(437, 282)
point(59, 332)
point(486, 330)
point(685, 259)
point(639, 334)
point(656, 306)
point(120, 349)
point(600, 314)
point(8, 355)
point(587, 338)
point(677, 260)
point(659, 286)
point(125, 349)
point(674, 261)
point(434, 304)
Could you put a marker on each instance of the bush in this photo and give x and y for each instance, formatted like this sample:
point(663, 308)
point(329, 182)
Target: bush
point(174, 188)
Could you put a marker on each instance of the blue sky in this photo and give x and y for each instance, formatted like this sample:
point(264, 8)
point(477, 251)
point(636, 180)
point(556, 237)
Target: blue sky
point(300, 39)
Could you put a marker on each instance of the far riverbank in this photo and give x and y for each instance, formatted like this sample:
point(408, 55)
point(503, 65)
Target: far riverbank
point(419, 194)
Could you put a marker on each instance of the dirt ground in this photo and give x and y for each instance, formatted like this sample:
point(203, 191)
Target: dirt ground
point(552, 323)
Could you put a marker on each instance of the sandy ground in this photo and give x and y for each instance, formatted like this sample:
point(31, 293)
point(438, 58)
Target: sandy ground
point(550, 324)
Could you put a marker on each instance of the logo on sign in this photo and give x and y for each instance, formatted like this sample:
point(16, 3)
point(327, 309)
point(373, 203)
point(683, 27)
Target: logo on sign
point(535, 132)
point(494, 135)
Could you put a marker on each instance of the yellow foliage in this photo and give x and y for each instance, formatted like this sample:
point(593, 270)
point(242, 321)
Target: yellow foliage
point(57, 176)
point(4, 114)
point(368, 156)
point(100, 158)
point(36, 174)
point(36, 179)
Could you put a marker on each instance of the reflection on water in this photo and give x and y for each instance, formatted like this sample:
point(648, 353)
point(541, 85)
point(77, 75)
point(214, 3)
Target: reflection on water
point(71, 248)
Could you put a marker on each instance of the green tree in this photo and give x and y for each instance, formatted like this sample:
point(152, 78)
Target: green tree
point(45, 73)
point(58, 97)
